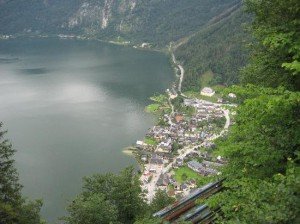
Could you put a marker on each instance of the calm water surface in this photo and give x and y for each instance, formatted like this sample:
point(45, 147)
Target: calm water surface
point(71, 107)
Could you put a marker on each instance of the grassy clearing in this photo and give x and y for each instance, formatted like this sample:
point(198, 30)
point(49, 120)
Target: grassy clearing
point(185, 171)
point(152, 108)
point(160, 104)
point(150, 141)
point(218, 88)
point(162, 98)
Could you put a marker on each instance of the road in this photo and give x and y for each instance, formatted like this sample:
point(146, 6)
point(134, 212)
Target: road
point(151, 186)
point(172, 110)
point(181, 69)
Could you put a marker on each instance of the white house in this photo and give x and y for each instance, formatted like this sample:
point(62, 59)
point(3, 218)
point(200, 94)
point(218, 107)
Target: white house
point(140, 144)
point(206, 91)
point(232, 95)
point(145, 45)
point(144, 158)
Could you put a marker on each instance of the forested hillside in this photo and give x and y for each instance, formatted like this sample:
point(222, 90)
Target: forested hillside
point(155, 21)
point(164, 21)
point(219, 47)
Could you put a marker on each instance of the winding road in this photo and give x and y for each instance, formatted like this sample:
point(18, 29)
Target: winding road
point(181, 69)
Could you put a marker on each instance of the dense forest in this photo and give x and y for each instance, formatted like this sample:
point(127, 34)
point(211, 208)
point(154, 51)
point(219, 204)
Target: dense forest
point(262, 149)
point(219, 47)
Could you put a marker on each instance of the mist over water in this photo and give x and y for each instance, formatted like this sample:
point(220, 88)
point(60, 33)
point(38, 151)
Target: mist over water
point(70, 107)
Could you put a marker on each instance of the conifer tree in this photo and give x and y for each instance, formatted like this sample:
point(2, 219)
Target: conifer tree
point(14, 209)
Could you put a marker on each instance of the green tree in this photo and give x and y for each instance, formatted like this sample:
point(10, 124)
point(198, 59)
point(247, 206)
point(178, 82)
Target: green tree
point(262, 177)
point(92, 209)
point(127, 196)
point(148, 221)
point(175, 146)
point(13, 207)
point(275, 57)
point(160, 201)
point(263, 174)
point(108, 198)
point(184, 177)
point(9, 182)
point(29, 212)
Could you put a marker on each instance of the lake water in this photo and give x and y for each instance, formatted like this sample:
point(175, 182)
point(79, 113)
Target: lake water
point(70, 107)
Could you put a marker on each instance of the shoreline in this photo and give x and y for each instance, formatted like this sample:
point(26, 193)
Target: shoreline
point(146, 184)
point(137, 46)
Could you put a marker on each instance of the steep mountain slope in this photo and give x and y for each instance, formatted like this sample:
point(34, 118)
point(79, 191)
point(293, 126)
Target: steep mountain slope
point(155, 21)
point(21, 16)
point(219, 47)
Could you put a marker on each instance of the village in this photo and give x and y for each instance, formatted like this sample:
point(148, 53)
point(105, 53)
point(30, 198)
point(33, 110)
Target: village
point(176, 155)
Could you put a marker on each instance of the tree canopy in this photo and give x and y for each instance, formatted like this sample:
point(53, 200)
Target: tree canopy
point(275, 53)
point(114, 198)
point(13, 207)
point(218, 47)
point(262, 175)
point(108, 198)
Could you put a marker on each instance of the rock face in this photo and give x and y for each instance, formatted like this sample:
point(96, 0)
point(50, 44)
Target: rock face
point(88, 14)
point(143, 20)
point(106, 13)
point(127, 5)
point(96, 15)
point(92, 15)
point(102, 12)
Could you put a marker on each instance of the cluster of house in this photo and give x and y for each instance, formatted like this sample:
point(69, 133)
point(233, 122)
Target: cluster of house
point(207, 91)
point(204, 110)
point(156, 164)
point(184, 130)
point(204, 168)
point(5, 37)
point(181, 130)
point(166, 180)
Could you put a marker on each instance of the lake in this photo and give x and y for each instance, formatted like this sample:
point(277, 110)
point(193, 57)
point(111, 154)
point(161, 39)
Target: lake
point(70, 107)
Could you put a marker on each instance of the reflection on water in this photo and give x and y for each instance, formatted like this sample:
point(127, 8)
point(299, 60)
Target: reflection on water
point(33, 71)
point(8, 60)
point(71, 107)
